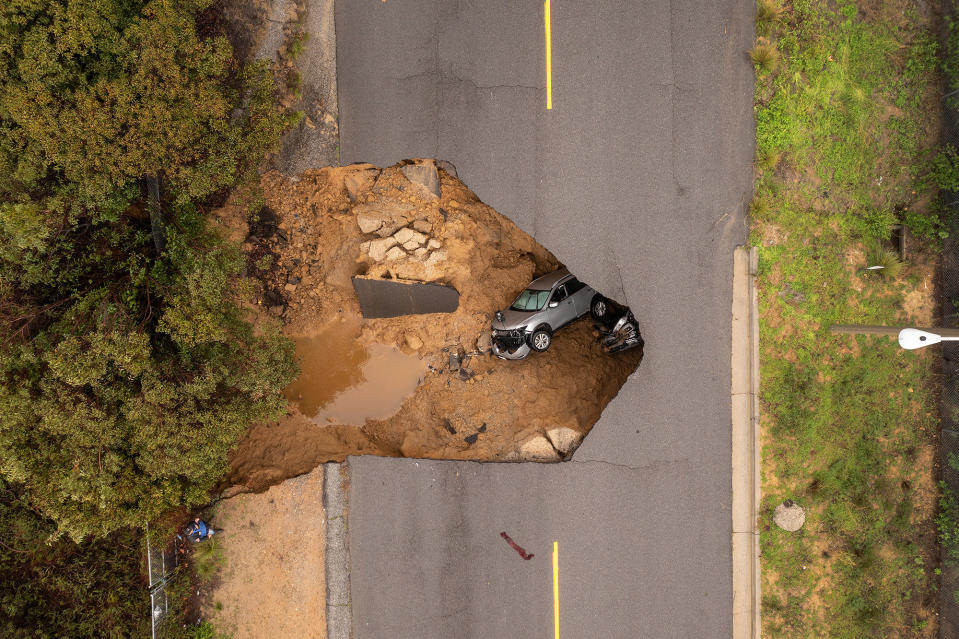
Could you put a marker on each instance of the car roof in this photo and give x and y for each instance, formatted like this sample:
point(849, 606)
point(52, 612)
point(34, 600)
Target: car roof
point(549, 280)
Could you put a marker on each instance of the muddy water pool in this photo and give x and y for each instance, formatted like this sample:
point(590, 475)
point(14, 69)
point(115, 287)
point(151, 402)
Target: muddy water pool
point(345, 382)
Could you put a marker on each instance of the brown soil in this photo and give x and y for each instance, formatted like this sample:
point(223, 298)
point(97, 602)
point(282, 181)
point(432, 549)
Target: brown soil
point(273, 582)
point(318, 247)
point(919, 305)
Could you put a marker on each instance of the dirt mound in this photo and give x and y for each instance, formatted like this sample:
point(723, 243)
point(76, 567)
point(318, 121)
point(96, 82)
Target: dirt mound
point(320, 230)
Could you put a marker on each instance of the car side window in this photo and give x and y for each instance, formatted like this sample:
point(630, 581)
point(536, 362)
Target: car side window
point(560, 294)
point(574, 286)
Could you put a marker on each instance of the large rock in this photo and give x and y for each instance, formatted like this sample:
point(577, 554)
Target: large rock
point(406, 235)
point(378, 248)
point(789, 516)
point(369, 222)
point(436, 257)
point(384, 217)
point(395, 253)
point(358, 181)
point(424, 174)
point(538, 448)
point(564, 440)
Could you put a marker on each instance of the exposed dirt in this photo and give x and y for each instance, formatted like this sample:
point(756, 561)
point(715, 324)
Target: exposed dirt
point(919, 305)
point(273, 582)
point(306, 247)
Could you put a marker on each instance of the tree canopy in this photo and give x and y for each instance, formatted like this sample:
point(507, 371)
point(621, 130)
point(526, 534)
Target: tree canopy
point(95, 94)
point(126, 373)
point(64, 589)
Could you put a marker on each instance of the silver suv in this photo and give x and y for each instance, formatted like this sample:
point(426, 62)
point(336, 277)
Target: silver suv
point(547, 304)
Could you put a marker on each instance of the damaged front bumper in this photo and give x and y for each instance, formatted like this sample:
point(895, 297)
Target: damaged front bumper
point(510, 345)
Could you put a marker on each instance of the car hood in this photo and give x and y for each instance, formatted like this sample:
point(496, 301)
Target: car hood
point(513, 319)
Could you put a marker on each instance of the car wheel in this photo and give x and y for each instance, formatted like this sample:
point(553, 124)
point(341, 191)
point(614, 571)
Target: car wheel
point(540, 340)
point(598, 307)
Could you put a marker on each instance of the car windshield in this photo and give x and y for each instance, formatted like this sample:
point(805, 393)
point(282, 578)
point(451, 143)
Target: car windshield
point(530, 300)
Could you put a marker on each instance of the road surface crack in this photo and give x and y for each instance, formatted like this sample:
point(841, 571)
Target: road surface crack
point(656, 465)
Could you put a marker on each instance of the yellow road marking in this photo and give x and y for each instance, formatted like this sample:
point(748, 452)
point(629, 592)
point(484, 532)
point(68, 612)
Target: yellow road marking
point(549, 71)
point(555, 569)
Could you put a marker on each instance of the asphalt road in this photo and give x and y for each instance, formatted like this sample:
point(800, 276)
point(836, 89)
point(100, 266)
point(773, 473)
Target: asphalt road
point(637, 180)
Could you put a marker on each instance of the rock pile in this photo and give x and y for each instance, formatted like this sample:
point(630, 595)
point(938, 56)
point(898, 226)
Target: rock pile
point(405, 246)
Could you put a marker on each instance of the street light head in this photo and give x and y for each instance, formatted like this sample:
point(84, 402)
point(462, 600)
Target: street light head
point(913, 338)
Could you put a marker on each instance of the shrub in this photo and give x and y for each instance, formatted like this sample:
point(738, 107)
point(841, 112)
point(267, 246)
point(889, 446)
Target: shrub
point(297, 45)
point(949, 60)
point(765, 56)
point(932, 225)
point(65, 589)
point(876, 222)
point(759, 208)
point(877, 255)
point(947, 521)
point(769, 160)
point(945, 169)
point(768, 12)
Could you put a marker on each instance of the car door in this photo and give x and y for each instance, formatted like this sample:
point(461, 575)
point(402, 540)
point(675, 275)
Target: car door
point(565, 311)
point(581, 294)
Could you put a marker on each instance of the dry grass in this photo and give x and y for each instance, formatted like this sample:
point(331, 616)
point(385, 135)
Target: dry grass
point(768, 12)
point(887, 260)
point(765, 56)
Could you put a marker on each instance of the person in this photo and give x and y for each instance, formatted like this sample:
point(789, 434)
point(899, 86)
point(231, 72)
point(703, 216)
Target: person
point(199, 530)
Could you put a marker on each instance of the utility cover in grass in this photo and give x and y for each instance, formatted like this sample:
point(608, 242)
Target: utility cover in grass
point(789, 516)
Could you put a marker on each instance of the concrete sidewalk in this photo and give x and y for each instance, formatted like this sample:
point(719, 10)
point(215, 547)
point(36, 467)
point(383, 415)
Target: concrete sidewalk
point(745, 433)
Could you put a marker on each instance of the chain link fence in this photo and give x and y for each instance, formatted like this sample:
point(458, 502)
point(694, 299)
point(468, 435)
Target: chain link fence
point(161, 565)
point(949, 284)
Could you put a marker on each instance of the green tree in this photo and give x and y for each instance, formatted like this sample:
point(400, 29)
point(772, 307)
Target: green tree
point(96, 94)
point(125, 403)
point(126, 373)
point(63, 589)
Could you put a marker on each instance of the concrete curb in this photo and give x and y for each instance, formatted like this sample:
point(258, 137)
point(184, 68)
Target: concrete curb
point(746, 494)
point(339, 618)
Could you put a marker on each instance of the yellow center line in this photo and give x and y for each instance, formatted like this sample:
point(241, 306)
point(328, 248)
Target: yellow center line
point(549, 71)
point(555, 569)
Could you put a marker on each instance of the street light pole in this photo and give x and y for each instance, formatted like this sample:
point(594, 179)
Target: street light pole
point(913, 338)
point(909, 338)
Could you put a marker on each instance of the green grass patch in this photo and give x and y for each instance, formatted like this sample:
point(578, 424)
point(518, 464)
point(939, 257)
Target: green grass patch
point(848, 422)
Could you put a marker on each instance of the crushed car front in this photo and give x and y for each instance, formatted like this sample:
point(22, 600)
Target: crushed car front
point(511, 327)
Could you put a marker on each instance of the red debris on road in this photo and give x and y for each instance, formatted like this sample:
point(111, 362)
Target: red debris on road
point(522, 553)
